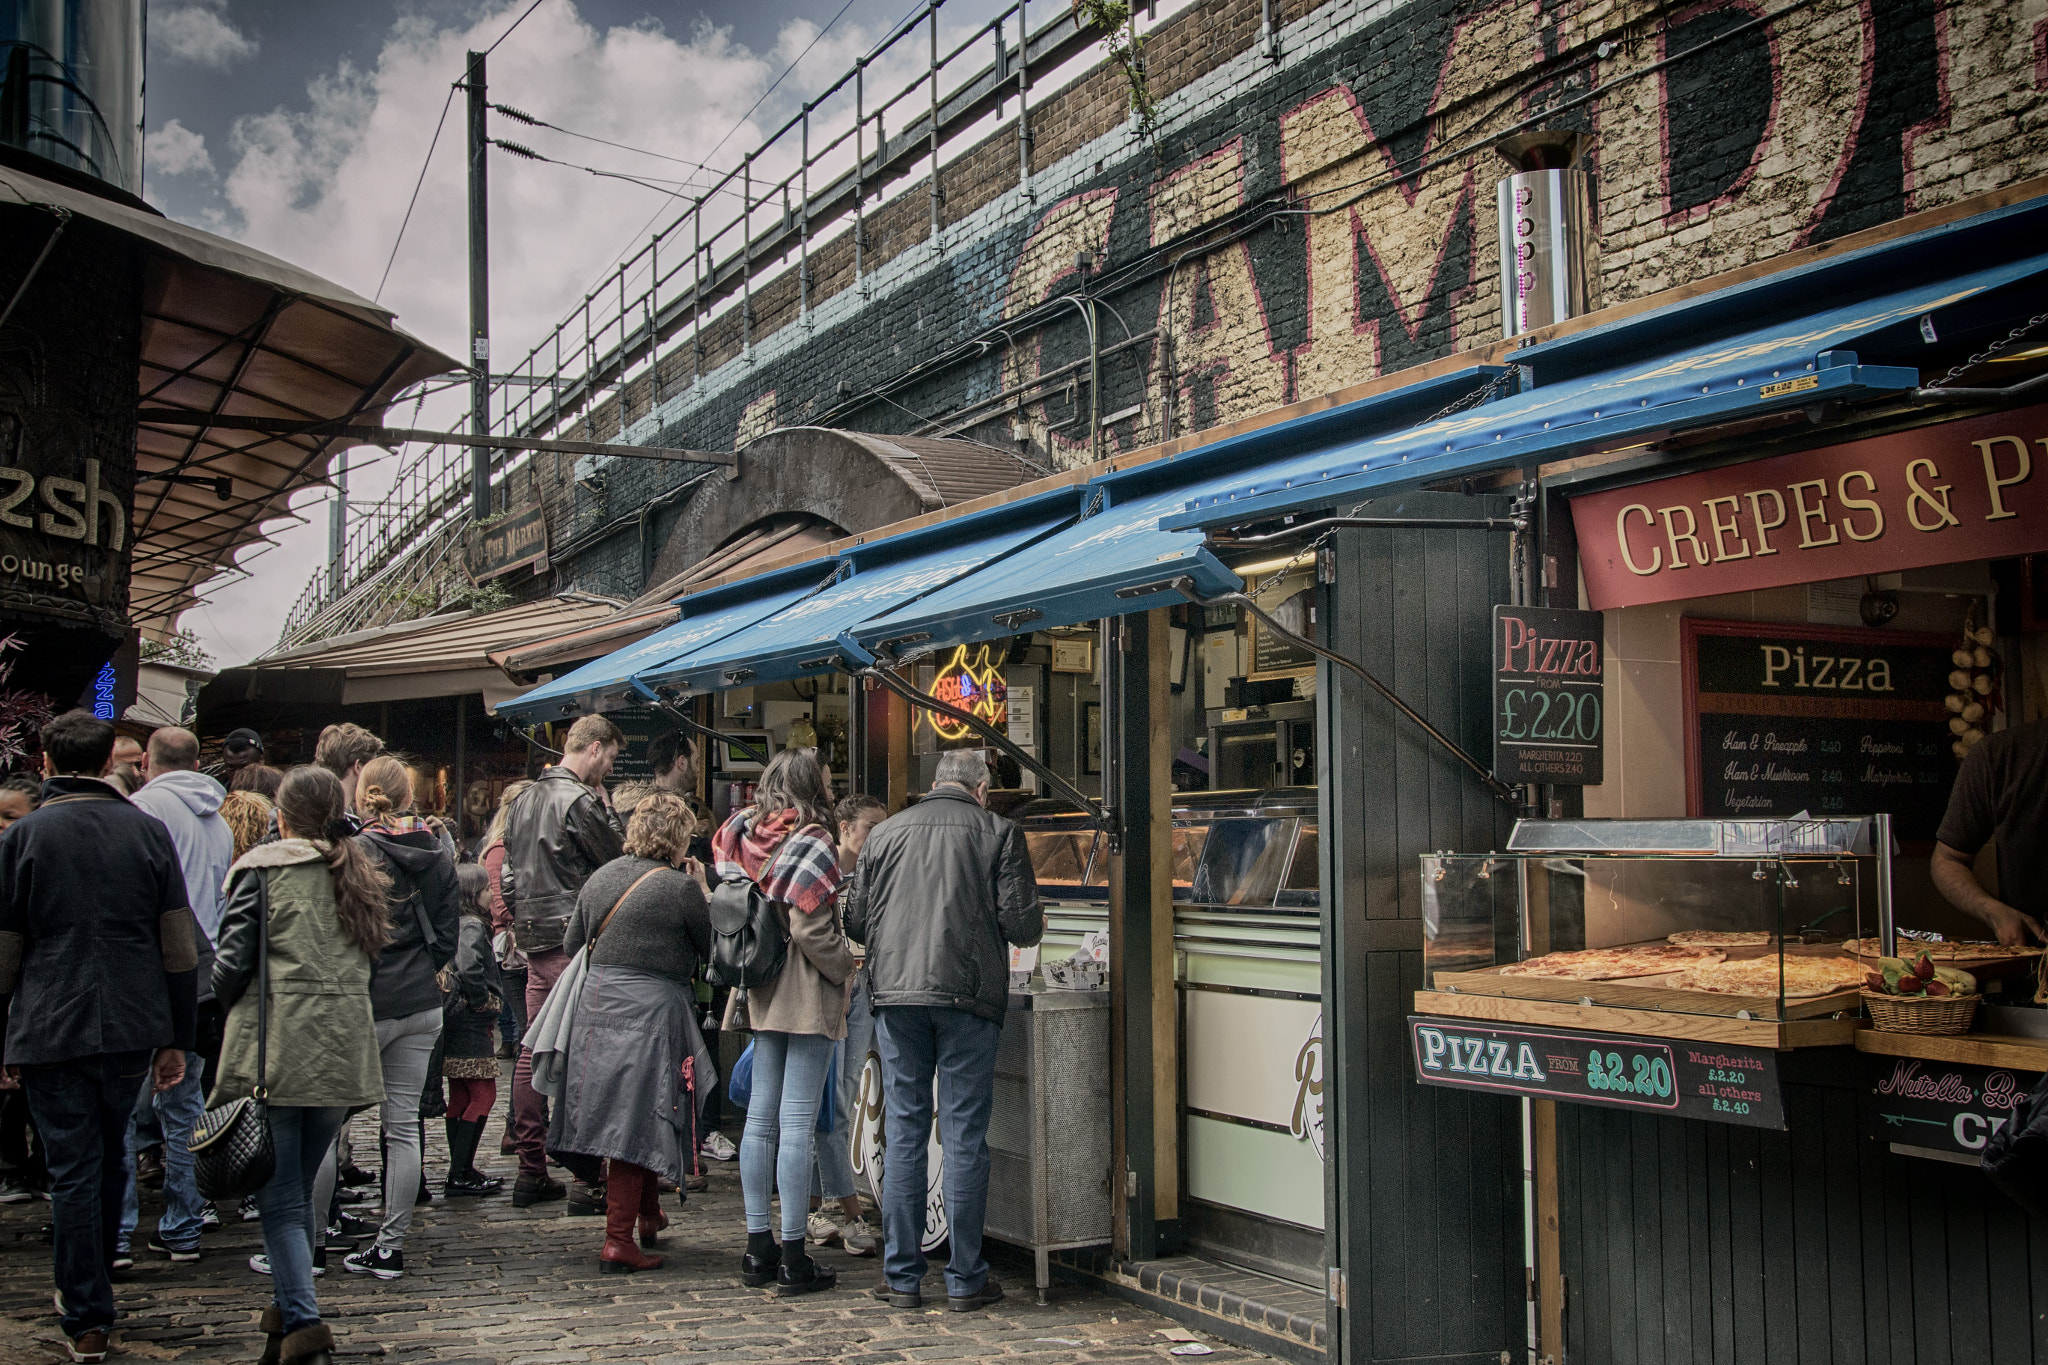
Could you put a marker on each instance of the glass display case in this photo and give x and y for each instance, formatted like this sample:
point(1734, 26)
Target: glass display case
point(1759, 920)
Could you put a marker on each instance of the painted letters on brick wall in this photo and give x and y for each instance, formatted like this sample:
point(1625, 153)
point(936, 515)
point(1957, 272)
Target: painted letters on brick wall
point(1304, 224)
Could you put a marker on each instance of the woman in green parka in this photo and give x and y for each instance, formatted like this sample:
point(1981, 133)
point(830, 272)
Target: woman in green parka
point(327, 924)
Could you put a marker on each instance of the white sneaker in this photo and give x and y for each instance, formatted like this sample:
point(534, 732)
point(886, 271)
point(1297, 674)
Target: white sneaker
point(821, 1228)
point(858, 1238)
point(718, 1147)
point(250, 1212)
point(260, 1263)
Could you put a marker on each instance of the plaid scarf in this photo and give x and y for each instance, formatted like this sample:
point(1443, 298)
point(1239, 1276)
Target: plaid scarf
point(798, 866)
point(401, 824)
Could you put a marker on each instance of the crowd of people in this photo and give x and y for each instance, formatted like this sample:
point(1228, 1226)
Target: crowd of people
point(173, 939)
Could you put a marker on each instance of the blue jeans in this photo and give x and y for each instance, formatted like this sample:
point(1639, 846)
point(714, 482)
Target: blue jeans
point(832, 1178)
point(175, 1112)
point(82, 1108)
point(301, 1137)
point(920, 1043)
point(782, 1120)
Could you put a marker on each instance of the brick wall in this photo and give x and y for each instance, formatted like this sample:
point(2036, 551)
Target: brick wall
point(1827, 117)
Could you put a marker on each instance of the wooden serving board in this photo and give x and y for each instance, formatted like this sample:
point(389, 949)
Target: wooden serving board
point(1977, 1049)
point(1775, 1034)
point(2005, 965)
point(1638, 993)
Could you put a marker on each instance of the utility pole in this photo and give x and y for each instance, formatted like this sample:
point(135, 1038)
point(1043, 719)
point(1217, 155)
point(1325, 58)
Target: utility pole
point(337, 527)
point(479, 295)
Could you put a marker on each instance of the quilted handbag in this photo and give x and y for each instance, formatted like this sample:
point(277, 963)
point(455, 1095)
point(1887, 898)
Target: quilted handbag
point(232, 1155)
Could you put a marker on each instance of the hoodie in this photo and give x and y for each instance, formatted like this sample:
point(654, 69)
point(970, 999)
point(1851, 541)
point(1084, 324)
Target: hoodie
point(188, 805)
point(425, 920)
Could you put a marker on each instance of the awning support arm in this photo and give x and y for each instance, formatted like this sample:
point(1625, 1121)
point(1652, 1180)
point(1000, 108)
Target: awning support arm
point(752, 752)
point(389, 436)
point(1186, 588)
point(2009, 391)
point(1101, 818)
point(1375, 524)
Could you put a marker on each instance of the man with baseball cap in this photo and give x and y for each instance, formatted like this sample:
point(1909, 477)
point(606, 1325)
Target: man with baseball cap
point(241, 748)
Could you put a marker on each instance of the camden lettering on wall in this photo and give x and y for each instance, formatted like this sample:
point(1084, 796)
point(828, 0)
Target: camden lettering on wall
point(1974, 489)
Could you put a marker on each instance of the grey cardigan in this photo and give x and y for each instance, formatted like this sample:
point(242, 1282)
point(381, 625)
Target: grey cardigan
point(663, 927)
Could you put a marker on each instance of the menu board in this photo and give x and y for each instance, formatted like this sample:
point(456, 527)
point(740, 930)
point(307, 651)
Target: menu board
point(1548, 696)
point(1784, 719)
point(638, 725)
point(1933, 1108)
point(1711, 1081)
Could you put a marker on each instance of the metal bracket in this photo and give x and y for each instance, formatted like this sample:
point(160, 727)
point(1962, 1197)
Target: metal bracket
point(1185, 586)
point(667, 706)
point(1101, 818)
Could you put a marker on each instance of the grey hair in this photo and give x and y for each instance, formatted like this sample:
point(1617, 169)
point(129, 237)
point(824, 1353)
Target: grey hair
point(964, 766)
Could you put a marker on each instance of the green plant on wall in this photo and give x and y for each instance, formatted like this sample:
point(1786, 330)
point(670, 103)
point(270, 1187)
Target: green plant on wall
point(1122, 44)
point(182, 648)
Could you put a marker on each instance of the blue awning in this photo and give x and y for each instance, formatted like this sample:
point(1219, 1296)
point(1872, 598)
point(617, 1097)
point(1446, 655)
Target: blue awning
point(804, 638)
point(607, 684)
point(1116, 559)
point(1788, 365)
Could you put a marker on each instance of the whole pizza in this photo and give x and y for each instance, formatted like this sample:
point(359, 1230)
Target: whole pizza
point(1911, 948)
point(1803, 976)
point(1612, 964)
point(1724, 938)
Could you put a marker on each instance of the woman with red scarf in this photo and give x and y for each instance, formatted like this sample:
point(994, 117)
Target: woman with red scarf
point(786, 844)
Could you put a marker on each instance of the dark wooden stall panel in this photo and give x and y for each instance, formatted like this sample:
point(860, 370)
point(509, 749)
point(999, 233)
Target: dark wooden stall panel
point(1425, 1184)
point(1688, 1243)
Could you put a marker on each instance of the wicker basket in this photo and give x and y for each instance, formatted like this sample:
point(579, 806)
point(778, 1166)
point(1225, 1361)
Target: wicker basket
point(1921, 1013)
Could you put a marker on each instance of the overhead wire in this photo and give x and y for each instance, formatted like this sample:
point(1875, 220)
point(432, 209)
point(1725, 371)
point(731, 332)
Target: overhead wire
point(428, 159)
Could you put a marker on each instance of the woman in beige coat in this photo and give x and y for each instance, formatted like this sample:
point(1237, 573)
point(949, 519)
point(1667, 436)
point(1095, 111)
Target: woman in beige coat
point(326, 925)
point(786, 843)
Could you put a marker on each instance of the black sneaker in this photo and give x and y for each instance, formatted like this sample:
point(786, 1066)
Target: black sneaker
point(348, 1225)
point(989, 1293)
point(353, 1175)
point(529, 1190)
point(333, 1240)
point(897, 1298)
point(161, 1247)
point(385, 1265)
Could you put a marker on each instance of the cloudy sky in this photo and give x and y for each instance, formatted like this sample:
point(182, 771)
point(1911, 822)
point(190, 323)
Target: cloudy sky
point(299, 126)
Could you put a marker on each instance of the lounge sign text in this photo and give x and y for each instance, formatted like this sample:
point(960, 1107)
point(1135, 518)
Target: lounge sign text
point(1935, 495)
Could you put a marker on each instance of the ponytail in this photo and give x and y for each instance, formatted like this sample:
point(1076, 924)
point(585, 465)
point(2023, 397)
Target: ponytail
point(310, 799)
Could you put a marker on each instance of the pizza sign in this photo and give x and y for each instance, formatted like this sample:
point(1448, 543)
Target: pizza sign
point(1655, 1075)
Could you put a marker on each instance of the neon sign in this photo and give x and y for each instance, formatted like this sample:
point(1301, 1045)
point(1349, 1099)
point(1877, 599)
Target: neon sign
point(103, 693)
point(970, 682)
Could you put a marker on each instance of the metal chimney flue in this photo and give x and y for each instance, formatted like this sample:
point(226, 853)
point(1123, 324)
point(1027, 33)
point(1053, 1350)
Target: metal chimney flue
point(1545, 230)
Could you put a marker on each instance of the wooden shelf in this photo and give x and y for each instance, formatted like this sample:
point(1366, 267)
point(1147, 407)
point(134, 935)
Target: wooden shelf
point(1646, 993)
point(1706, 1028)
point(1978, 1049)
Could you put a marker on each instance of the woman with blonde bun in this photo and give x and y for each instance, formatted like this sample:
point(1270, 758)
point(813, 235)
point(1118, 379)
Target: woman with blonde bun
point(405, 994)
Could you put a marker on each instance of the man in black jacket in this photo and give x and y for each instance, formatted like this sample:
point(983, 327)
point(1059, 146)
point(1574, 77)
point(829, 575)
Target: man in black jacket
point(940, 892)
point(98, 957)
point(558, 832)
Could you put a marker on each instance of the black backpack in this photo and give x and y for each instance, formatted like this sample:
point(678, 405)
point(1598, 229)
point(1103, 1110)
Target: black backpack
point(750, 940)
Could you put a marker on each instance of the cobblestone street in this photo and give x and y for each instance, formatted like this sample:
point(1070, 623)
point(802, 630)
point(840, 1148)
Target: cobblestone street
point(488, 1283)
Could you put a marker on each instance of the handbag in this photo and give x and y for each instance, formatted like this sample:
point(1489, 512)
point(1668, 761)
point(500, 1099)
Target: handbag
point(749, 939)
point(232, 1155)
point(2016, 1157)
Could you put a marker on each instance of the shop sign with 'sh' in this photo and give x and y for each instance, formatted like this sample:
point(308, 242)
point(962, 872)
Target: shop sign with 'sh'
point(1711, 1081)
point(1548, 696)
point(1941, 494)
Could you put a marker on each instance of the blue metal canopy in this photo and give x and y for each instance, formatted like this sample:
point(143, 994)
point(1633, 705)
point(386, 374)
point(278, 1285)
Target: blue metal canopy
point(1788, 365)
point(606, 684)
point(1116, 559)
point(805, 637)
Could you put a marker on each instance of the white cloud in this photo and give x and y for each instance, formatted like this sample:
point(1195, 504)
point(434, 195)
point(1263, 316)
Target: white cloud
point(198, 33)
point(325, 187)
point(175, 149)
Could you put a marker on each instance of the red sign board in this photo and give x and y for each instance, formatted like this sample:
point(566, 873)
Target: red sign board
point(1975, 489)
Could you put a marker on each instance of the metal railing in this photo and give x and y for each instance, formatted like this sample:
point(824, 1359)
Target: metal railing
point(815, 179)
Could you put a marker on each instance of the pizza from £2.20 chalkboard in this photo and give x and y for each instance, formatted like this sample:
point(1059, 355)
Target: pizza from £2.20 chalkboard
point(1784, 719)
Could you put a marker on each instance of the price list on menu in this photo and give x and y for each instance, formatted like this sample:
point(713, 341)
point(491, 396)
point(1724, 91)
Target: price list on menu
point(1787, 719)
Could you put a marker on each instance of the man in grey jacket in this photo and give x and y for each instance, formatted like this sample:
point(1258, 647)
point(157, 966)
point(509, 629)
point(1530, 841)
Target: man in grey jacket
point(187, 802)
point(940, 893)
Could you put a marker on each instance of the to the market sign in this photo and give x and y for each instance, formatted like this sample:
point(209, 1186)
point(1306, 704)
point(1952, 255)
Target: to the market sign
point(514, 540)
point(1975, 489)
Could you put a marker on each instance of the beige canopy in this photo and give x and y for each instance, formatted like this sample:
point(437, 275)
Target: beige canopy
point(230, 331)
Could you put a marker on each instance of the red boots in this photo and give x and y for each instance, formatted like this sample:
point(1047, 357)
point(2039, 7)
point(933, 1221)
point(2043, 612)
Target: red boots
point(630, 1195)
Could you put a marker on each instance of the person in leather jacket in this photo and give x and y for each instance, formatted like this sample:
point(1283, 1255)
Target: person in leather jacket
point(558, 832)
